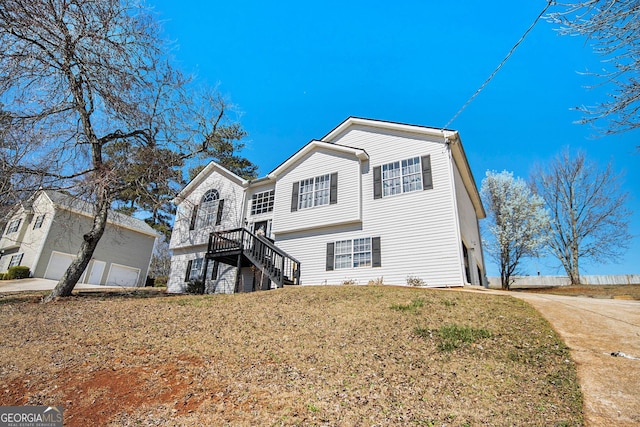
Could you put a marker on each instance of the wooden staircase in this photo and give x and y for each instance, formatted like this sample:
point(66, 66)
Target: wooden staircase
point(242, 248)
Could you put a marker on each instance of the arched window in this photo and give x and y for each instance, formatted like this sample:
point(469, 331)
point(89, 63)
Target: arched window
point(208, 209)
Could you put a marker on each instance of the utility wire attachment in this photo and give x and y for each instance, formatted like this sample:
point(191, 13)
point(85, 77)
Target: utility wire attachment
point(506, 58)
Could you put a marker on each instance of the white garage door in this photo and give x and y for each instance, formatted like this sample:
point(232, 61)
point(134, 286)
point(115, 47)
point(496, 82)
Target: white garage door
point(121, 275)
point(58, 264)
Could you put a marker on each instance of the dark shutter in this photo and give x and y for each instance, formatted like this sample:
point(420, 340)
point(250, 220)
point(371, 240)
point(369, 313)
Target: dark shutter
point(219, 213)
point(377, 182)
point(194, 216)
point(427, 179)
point(294, 196)
point(188, 273)
point(375, 252)
point(214, 272)
point(330, 247)
point(333, 189)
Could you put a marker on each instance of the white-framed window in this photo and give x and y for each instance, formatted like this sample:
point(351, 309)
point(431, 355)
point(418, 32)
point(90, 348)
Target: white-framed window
point(401, 177)
point(208, 209)
point(353, 253)
point(314, 192)
point(15, 260)
point(13, 226)
point(262, 202)
point(37, 223)
point(194, 269)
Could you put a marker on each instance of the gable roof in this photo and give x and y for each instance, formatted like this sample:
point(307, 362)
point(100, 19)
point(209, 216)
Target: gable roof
point(85, 208)
point(312, 146)
point(383, 124)
point(212, 166)
point(448, 136)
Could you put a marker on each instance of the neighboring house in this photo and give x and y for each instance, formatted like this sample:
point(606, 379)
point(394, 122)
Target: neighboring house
point(45, 232)
point(371, 201)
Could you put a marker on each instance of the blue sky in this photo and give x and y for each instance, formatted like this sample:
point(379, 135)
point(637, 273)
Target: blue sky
point(295, 70)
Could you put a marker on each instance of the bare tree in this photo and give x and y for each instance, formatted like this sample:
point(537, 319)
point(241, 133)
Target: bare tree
point(86, 75)
point(589, 219)
point(518, 222)
point(613, 27)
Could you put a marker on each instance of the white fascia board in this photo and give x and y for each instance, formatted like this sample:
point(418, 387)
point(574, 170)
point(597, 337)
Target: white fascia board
point(457, 150)
point(360, 154)
point(202, 175)
point(358, 121)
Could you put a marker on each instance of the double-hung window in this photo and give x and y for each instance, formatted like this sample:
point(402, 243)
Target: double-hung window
point(318, 191)
point(402, 176)
point(15, 260)
point(194, 269)
point(13, 226)
point(208, 212)
point(38, 221)
point(354, 253)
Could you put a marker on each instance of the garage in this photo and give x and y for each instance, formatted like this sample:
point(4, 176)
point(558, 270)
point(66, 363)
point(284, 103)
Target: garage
point(58, 264)
point(121, 275)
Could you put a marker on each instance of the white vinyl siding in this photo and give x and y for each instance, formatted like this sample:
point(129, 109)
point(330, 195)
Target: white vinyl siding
point(346, 209)
point(418, 231)
point(232, 215)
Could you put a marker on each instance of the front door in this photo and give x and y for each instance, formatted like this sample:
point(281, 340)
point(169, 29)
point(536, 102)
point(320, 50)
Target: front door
point(264, 225)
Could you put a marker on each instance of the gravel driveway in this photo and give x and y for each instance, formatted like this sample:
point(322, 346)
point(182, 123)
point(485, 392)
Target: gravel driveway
point(594, 329)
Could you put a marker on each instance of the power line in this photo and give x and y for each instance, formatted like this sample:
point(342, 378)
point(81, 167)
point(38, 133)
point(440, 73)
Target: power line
point(486, 82)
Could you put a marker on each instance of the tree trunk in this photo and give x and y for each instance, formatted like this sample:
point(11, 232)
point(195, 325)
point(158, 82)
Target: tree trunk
point(79, 264)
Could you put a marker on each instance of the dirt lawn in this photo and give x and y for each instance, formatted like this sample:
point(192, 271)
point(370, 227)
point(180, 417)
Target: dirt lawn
point(593, 329)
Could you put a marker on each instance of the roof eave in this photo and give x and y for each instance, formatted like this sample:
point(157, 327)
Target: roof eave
point(359, 153)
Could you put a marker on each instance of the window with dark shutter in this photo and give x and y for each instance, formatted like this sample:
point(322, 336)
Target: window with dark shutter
point(376, 260)
point(219, 213)
point(194, 217)
point(427, 179)
point(333, 189)
point(330, 249)
point(294, 196)
point(188, 272)
point(377, 182)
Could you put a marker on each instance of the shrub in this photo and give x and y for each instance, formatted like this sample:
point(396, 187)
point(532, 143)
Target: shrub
point(348, 282)
point(195, 287)
point(375, 282)
point(161, 281)
point(2, 276)
point(414, 281)
point(18, 272)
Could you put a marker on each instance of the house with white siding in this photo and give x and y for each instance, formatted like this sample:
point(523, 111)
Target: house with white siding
point(371, 201)
point(45, 232)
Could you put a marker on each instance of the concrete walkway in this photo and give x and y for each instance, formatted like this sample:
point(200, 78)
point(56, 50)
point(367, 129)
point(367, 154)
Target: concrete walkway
point(23, 285)
point(594, 329)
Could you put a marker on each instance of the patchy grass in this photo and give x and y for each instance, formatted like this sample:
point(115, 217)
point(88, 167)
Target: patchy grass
point(631, 292)
point(342, 355)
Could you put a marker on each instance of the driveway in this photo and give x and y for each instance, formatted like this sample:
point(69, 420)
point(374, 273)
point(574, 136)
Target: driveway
point(11, 286)
point(594, 329)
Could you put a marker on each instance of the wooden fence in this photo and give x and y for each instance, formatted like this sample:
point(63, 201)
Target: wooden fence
point(544, 281)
